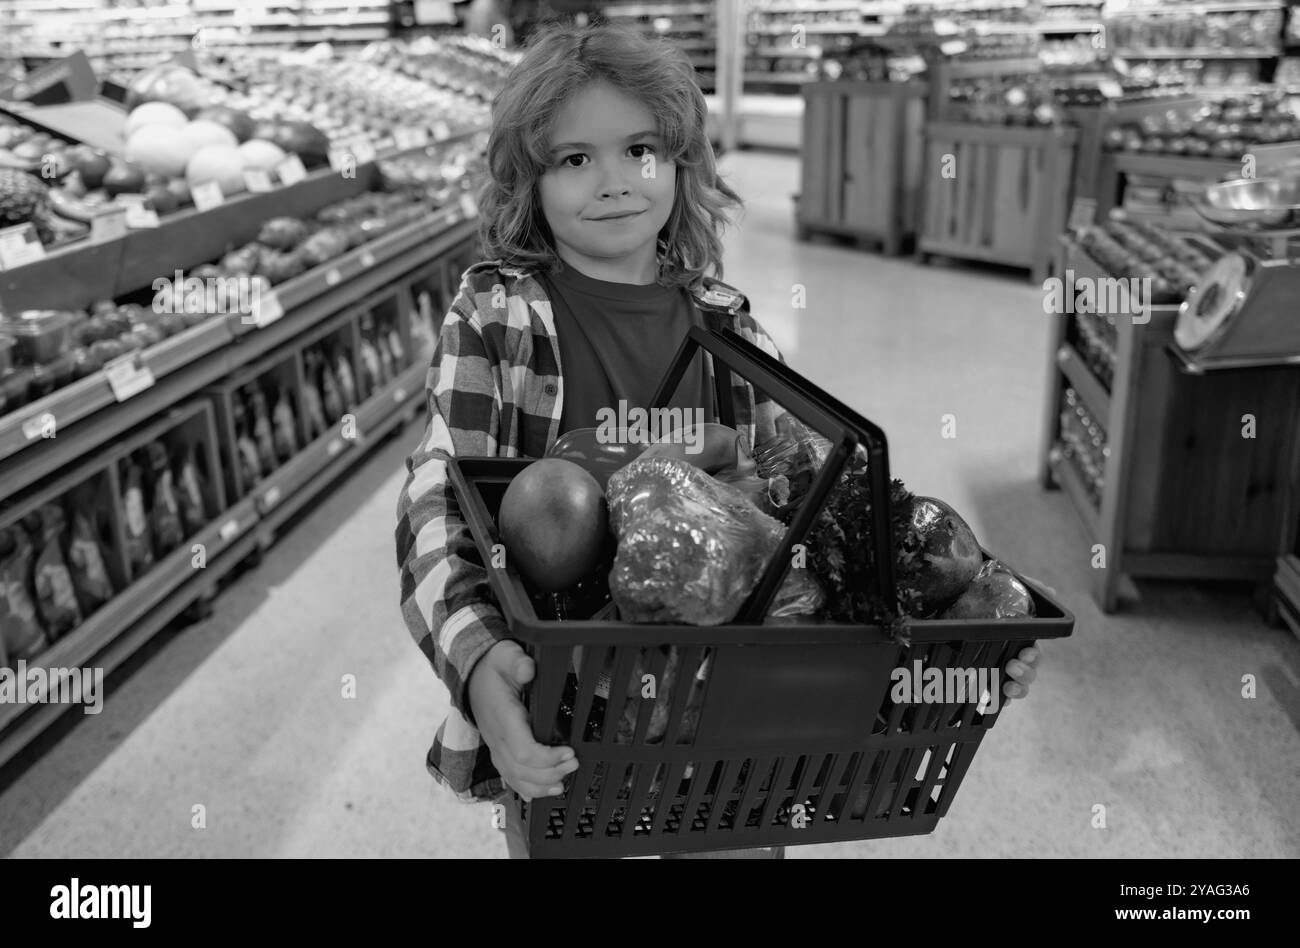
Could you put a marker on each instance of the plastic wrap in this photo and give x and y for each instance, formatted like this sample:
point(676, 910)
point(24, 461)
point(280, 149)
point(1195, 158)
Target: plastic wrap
point(23, 635)
point(56, 597)
point(789, 462)
point(90, 577)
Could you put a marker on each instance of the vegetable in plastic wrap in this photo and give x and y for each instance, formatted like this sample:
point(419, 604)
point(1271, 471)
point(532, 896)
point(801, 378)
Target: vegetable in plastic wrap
point(139, 541)
point(23, 636)
point(166, 515)
point(690, 549)
point(56, 598)
point(90, 578)
point(190, 491)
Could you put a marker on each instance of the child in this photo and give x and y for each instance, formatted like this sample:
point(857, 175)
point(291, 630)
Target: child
point(604, 210)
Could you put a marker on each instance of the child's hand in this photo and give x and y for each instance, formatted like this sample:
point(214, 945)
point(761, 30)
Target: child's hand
point(530, 769)
point(1021, 670)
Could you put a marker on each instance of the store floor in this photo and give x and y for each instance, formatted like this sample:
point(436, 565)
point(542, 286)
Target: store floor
point(1135, 742)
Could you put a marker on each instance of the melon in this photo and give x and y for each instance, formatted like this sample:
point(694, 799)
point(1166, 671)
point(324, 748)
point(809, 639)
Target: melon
point(162, 149)
point(553, 522)
point(153, 113)
point(202, 132)
point(220, 163)
point(261, 154)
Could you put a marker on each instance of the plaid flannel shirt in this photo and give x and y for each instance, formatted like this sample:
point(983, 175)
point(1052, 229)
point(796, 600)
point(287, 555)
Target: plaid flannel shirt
point(495, 389)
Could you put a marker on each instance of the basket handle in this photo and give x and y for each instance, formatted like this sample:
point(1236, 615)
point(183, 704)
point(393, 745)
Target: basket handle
point(846, 430)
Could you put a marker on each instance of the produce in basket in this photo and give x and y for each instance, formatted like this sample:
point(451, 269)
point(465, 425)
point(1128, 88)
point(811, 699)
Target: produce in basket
point(553, 523)
point(691, 549)
point(995, 593)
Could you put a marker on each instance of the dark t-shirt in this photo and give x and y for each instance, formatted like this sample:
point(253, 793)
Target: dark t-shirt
point(617, 341)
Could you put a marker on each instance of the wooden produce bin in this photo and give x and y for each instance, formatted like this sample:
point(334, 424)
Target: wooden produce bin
point(1184, 494)
point(1007, 198)
point(861, 161)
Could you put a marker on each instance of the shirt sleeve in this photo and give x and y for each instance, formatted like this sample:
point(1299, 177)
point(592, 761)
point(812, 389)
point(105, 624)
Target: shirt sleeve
point(445, 596)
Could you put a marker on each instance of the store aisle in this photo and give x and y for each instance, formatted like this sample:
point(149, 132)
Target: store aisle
point(1140, 713)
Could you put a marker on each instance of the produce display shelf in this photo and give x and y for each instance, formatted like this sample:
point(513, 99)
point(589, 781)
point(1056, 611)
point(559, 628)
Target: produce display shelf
point(657, 9)
point(1208, 53)
point(1069, 478)
point(142, 610)
point(1095, 396)
point(1231, 6)
point(807, 28)
point(812, 6)
point(41, 457)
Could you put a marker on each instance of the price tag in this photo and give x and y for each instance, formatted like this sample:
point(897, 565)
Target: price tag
point(441, 132)
point(271, 497)
point(367, 259)
point(468, 205)
point(110, 225)
point(266, 310)
point(399, 395)
point(291, 170)
point(37, 425)
point(364, 149)
point(127, 378)
point(138, 217)
point(207, 196)
point(20, 245)
point(333, 277)
point(228, 530)
point(258, 180)
point(1110, 89)
point(1083, 213)
point(334, 447)
point(405, 138)
point(343, 158)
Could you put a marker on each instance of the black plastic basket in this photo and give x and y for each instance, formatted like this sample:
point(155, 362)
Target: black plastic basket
point(770, 733)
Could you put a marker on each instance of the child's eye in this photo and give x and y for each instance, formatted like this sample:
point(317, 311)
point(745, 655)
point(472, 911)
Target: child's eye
point(650, 148)
point(565, 161)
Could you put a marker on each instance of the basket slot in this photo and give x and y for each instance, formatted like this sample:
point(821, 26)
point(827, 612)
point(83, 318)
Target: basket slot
point(609, 797)
point(579, 791)
point(720, 797)
point(618, 688)
point(805, 783)
point(854, 783)
point(758, 771)
point(941, 657)
point(775, 793)
point(593, 663)
point(976, 661)
point(697, 785)
point(885, 761)
point(658, 662)
point(691, 659)
point(831, 800)
point(637, 799)
point(938, 764)
point(667, 794)
point(962, 756)
point(906, 778)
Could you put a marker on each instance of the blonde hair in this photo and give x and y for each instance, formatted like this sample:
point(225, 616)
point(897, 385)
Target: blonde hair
point(560, 61)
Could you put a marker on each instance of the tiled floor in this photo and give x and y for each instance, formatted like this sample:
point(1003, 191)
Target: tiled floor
point(1138, 718)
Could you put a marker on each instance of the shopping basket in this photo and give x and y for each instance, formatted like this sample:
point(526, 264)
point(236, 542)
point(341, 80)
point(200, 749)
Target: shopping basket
point(761, 732)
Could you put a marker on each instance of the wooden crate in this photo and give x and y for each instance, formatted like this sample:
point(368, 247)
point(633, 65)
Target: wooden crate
point(999, 194)
point(1185, 495)
point(860, 168)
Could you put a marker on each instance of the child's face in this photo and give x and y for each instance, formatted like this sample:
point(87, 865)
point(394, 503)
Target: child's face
point(619, 168)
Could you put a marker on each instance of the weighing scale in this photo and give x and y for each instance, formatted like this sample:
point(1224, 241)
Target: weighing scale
point(1245, 310)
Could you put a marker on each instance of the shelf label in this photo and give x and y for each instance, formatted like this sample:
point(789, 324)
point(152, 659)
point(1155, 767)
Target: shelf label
point(468, 206)
point(229, 529)
point(1083, 213)
point(258, 180)
point(1110, 89)
point(271, 497)
point(364, 149)
point(207, 196)
point(138, 217)
point(333, 277)
point(367, 259)
point(411, 137)
point(110, 225)
point(20, 245)
point(343, 158)
point(441, 132)
point(399, 395)
point(291, 170)
point(334, 447)
point(39, 426)
point(127, 377)
point(266, 310)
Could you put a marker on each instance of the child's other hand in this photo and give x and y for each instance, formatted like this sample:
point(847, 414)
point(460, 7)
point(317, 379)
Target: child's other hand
point(1021, 670)
point(529, 768)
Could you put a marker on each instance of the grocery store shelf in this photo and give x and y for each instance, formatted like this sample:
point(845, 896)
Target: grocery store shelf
point(1173, 166)
point(1071, 481)
point(1068, 26)
point(1197, 53)
point(1195, 8)
point(657, 9)
point(781, 78)
point(1094, 394)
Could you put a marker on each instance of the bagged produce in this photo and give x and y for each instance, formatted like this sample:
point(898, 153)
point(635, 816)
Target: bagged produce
point(313, 412)
point(689, 548)
point(139, 542)
point(23, 636)
point(262, 431)
point(285, 428)
point(165, 517)
point(90, 579)
point(250, 465)
point(330, 394)
point(56, 597)
point(346, 381)
point(189, 494)
point(371, 369)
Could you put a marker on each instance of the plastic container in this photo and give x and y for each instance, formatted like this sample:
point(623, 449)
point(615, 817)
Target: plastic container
point(40, 336)
point(777, 732)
